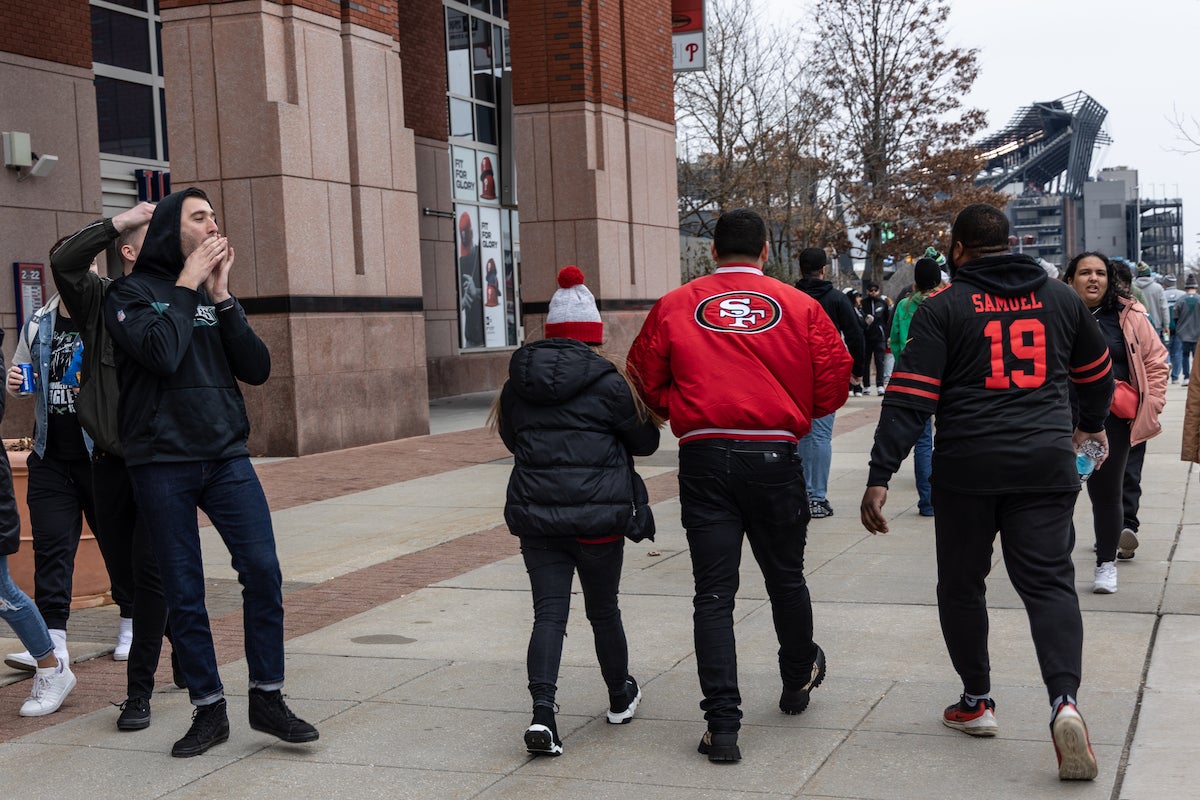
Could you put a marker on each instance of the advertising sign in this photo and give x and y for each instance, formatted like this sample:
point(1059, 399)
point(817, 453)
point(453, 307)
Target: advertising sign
point(687, 34)
point(29, 286)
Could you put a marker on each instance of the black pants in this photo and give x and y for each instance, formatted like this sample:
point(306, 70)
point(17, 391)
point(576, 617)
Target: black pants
point(727, 489)
point(1104, 490)
point(876, 352)
point(552, 564)
point(1037, 539)
point(1131, 493)
point(59, 497)
point(130, 559)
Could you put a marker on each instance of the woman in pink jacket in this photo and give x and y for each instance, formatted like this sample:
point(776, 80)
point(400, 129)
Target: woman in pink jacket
point(1140, 367)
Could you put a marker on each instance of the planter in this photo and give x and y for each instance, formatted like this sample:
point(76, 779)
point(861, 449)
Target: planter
point(90, 584)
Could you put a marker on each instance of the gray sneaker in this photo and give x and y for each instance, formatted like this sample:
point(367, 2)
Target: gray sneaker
point(1127, 544)
point(817, 509)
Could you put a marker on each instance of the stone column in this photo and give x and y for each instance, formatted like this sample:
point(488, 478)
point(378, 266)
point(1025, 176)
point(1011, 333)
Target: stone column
point(292, 120)
point(595, 147)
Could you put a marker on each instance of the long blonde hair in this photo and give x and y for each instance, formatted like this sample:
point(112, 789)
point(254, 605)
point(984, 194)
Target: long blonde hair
point(644, 412)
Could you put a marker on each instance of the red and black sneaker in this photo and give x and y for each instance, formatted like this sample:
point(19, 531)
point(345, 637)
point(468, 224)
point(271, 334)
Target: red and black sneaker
point(1076, 759)
point(975, 720)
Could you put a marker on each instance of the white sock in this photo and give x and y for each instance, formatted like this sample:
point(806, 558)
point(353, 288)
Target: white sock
point(59, 637)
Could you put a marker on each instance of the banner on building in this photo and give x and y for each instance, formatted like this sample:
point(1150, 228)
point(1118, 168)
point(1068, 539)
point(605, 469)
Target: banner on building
point(687, 34)
point(29, 285)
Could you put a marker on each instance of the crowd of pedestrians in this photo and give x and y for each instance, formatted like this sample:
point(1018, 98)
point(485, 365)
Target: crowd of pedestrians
point(994, 380)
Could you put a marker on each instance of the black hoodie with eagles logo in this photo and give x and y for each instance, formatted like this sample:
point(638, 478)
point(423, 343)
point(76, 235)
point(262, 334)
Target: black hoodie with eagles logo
point(178, 357)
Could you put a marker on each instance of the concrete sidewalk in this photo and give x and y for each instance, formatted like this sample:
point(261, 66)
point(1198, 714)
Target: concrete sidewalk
point(409, 613)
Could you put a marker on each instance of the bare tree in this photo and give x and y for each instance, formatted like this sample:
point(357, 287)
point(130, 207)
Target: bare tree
point(1187, 130)
point(900, 135)
point(749, 130)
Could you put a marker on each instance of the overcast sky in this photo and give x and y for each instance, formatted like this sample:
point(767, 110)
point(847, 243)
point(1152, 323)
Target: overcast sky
point(1139, 60)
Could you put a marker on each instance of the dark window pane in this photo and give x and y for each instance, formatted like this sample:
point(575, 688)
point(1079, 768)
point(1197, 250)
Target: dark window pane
point(481, 60)
point(481, 5)
point(499, 51)
point(125, 112)
point(136, 5)
point(158, 49)
point(162, 115)
point(485, 124)
point(120, 40)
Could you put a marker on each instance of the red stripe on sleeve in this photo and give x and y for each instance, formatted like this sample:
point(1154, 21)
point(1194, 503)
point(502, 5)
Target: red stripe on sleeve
point(909, 390)
point(912, 376)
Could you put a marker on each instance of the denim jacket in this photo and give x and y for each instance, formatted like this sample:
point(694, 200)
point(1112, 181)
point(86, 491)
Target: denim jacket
point(35, 346)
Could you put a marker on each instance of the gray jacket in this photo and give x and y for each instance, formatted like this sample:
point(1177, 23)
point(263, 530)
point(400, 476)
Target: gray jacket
point(1156, 303)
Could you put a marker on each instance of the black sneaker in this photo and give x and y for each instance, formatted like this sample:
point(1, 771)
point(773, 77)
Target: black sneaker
point(210, 725)
point(819, 509)
point(795, 699)
point(541, 737)
point(621, 706)
point(721, 748)
point(269, 714)
point(135, 714)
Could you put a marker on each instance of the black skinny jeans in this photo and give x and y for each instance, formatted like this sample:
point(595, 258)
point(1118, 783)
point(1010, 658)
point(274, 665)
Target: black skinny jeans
point(1105, 488)
point(1036, 538)
point(729, 488)
point(551, 564)
point(129, 555)
point(59, 497)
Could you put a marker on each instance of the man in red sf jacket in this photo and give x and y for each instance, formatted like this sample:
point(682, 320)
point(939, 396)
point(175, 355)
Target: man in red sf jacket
point(741, 364)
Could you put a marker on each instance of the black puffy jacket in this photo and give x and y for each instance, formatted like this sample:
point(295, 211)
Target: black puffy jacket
point(569, 419)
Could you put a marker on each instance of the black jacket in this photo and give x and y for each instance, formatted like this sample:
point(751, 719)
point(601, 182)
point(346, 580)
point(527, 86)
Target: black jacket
point(845, 318)
point(83, 293)
point(569, 419)
point(178, 357)
point(10, 517)
point(993, 354)
point(881, 325)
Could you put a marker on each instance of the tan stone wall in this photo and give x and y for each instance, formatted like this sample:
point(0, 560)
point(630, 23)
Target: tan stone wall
point(56, 105)
point(293, 122)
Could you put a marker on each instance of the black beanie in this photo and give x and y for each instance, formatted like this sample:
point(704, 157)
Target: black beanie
point(812, 260)
point(926, 274)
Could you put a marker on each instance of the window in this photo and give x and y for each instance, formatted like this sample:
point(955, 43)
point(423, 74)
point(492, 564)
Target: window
point(126, 45)
point(487, 242)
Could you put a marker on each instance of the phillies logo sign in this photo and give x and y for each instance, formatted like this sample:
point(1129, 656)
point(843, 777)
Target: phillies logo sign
point(739, 312)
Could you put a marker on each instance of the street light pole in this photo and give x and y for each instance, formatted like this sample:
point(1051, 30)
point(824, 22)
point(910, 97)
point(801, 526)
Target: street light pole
point(1137, 221)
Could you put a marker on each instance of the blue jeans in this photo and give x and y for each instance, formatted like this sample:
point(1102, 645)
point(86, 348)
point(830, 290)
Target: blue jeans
point(923, 468)
point(551, 564)
point(730, 489)
point(22, 615)
point(1185, 358)
point(229, 493)
point(816, 455)
point(1175, 353)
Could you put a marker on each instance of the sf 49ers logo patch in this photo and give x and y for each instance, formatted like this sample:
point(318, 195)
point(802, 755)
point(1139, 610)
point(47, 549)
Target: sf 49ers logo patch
point(739, 312)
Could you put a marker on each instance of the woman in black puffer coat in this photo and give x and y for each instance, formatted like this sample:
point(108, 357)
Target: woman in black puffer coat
point(573, 424)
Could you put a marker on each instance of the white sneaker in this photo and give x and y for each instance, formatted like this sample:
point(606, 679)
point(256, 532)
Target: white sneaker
point(879, 391)
point(22, 661)
point(124, 640)
point(1185, 382)
point(50, 687)
point(1106, 578)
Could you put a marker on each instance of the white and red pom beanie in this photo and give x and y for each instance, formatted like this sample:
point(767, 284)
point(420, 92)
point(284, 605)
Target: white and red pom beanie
point(573, 313)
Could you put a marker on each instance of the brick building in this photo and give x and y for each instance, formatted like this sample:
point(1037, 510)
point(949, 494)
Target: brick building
point(401, 178)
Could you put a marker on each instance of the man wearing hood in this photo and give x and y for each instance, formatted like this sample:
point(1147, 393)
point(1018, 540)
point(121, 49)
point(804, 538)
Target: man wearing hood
point(816, 449)
point(992, 355)
point(182, 344)
point(1156, 301)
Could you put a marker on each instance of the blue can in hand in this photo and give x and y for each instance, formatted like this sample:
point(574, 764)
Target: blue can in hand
point(26, 378)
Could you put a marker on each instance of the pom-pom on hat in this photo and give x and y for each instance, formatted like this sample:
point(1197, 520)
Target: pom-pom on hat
point(573, 313)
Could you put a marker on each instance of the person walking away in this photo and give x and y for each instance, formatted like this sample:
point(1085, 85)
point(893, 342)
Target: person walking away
point(992, 356)
point(573, 424)
point(859, 358)
point(927, 278)
point(741, 364)
point(1172, 293)
point(1140, 371)
point(59, 495)
point(52, 677)
point(1187, 324)
point(182, 343)
point(816, 448)
point(130, 552)
point(876, 312)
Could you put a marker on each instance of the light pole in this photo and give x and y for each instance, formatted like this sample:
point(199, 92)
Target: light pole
point(1137, 222)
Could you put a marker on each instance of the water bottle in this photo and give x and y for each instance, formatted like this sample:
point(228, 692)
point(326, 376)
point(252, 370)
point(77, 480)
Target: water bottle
point(1086, 458)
